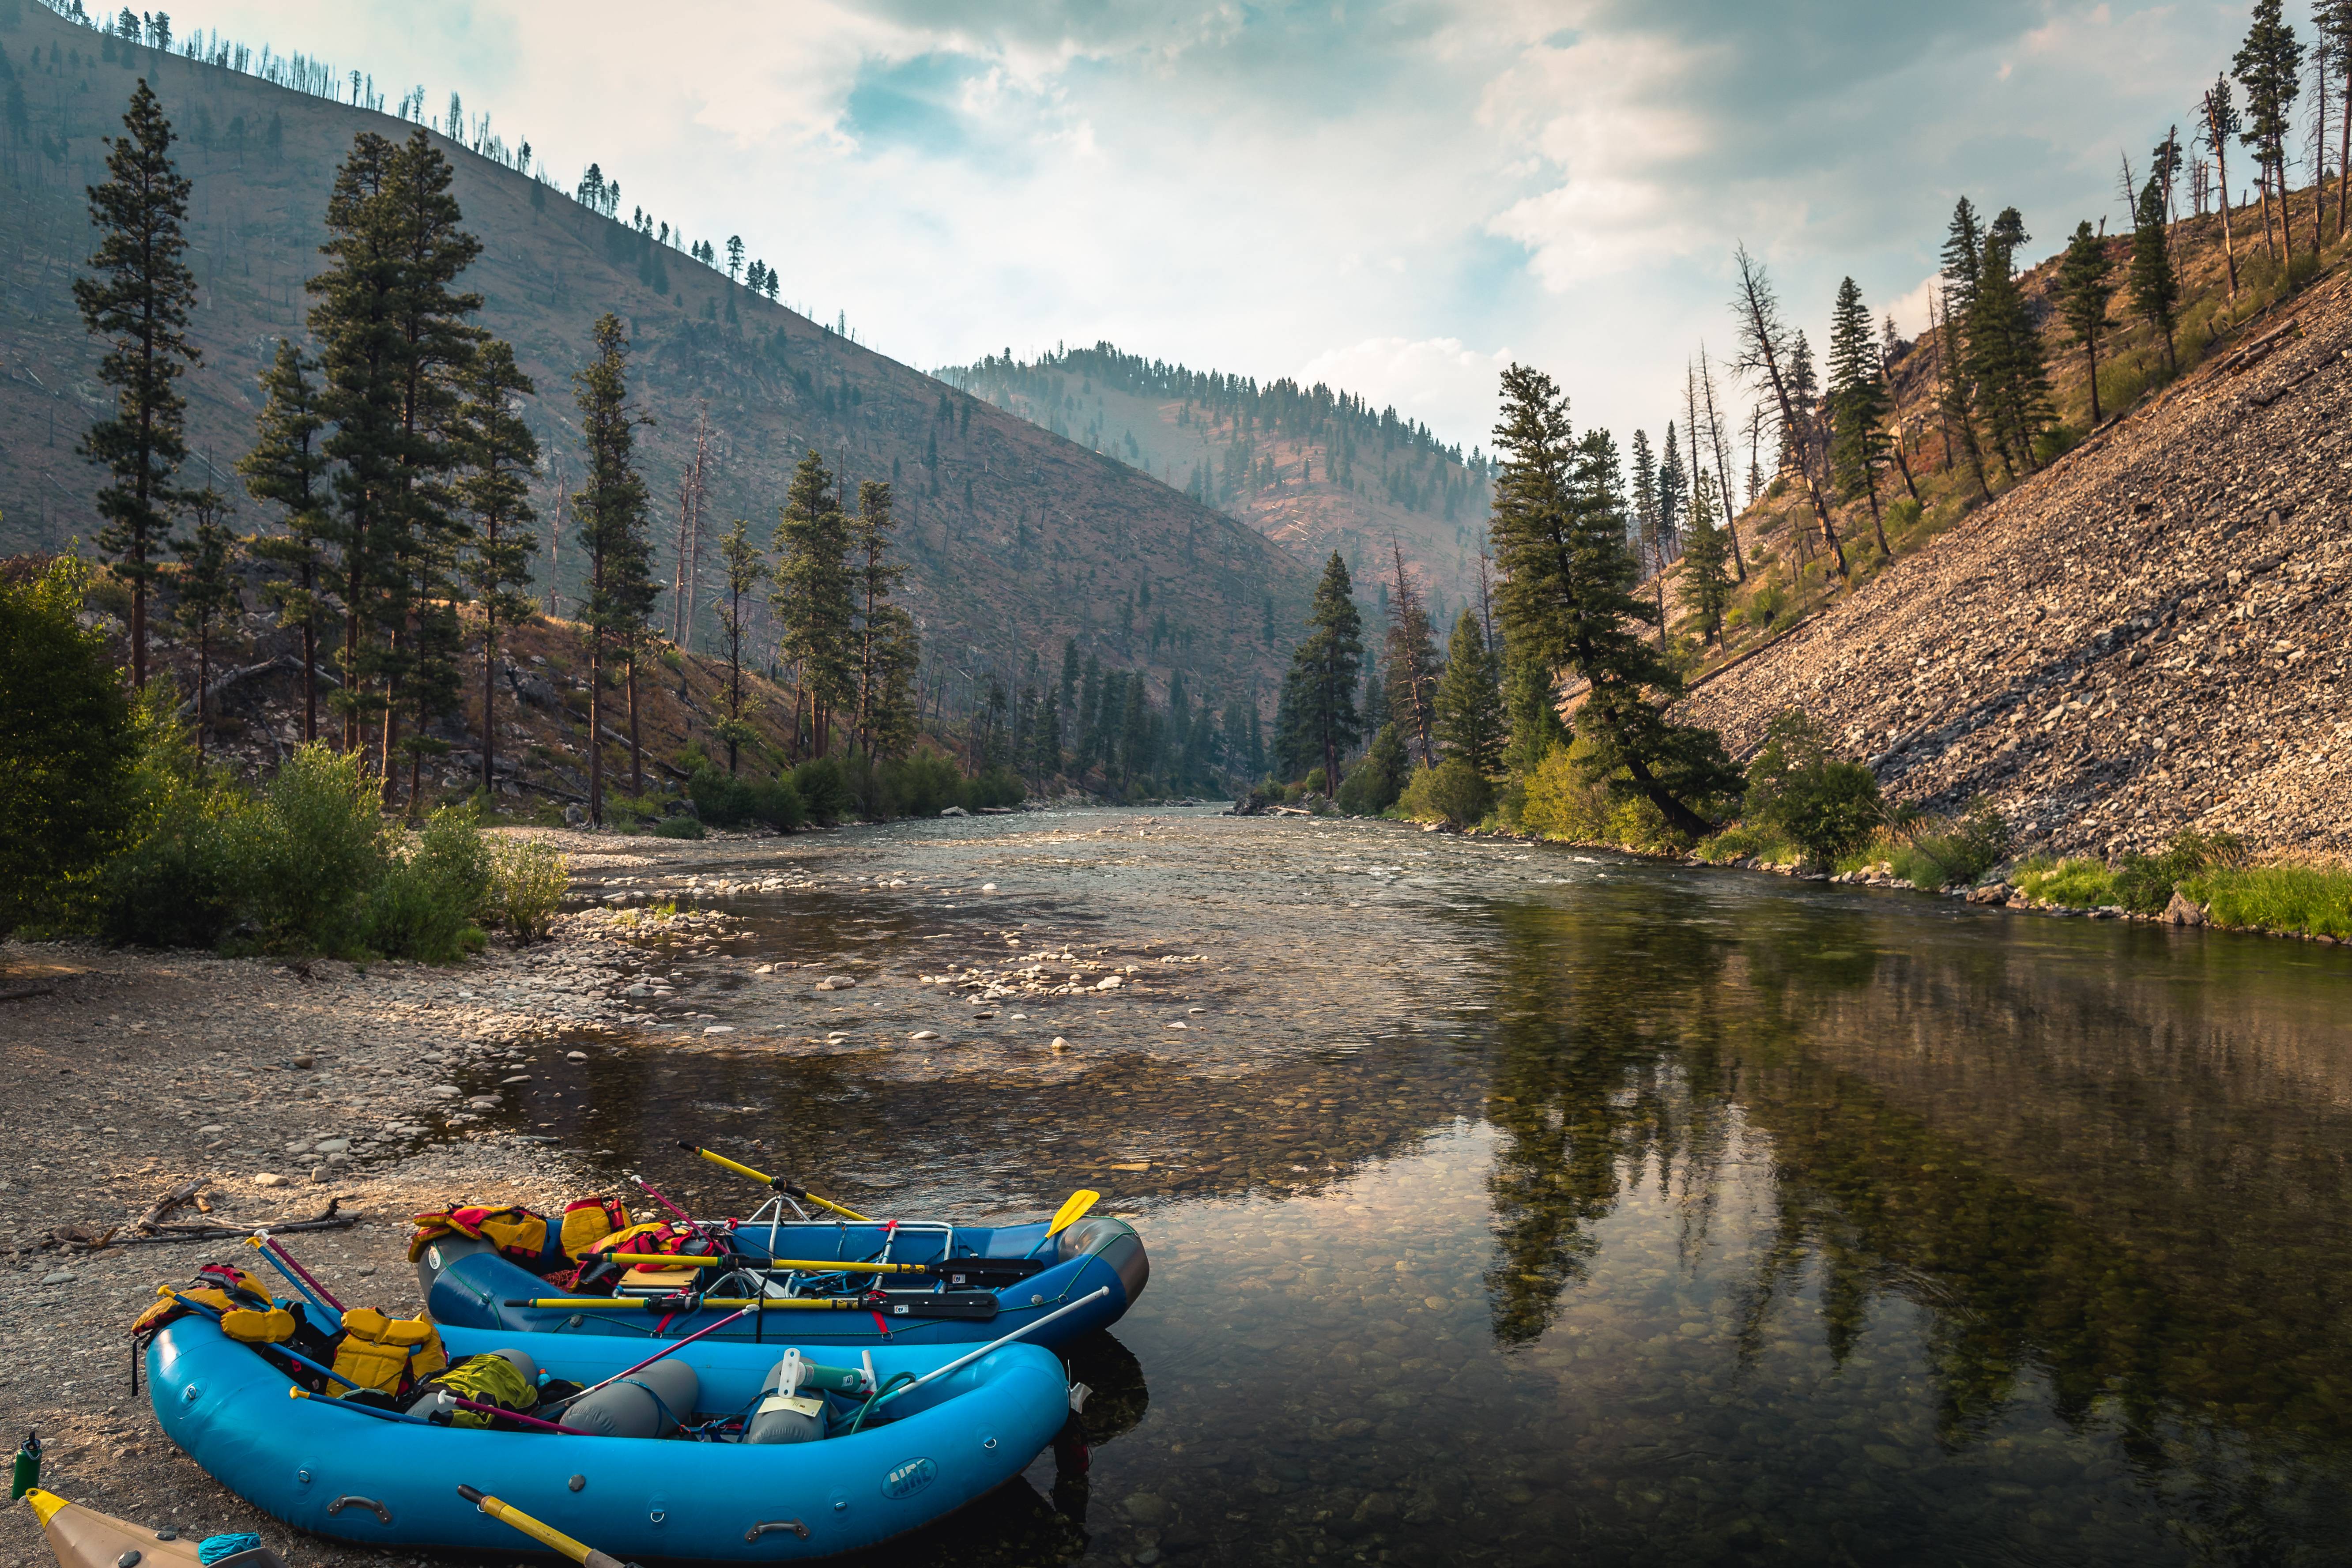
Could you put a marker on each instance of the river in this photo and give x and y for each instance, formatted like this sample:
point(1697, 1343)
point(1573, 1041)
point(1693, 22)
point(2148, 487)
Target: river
point(1516, 1205)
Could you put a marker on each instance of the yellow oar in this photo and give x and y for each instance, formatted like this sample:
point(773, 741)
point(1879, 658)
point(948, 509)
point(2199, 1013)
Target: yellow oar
point(1068, 1215)
point(789, 1189)
point(670, 1304)
point(655, 1262)
point(546, 1535)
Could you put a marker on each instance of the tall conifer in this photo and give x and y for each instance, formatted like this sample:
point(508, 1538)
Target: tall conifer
point(746, 568)
point(1326, 667)
point(2084, 287)
point(612, 506)
point(288, 466)
point(1470, 698)
point(138, 297)
point(1858, 405)
point(1567, 600)
point(501, 455)
point(815, 598)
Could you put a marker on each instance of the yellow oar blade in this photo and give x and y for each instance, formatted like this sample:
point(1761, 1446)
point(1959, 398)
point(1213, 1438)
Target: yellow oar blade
point(788, 1188)
point(1070, 1213)
point(506, 1513)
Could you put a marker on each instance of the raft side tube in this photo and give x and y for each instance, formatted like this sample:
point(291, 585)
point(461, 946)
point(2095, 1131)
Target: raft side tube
point(342, 1474)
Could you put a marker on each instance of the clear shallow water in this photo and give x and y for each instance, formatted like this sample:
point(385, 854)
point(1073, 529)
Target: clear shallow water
point(1517, 1205)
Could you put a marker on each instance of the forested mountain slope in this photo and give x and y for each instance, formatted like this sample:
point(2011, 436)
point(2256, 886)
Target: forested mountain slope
point(1311, 468)
point(2148, 636)
point(1017, 538)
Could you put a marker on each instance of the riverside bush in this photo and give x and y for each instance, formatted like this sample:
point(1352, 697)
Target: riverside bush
point(823, 787)
point(725, 800)
point(1452, 792)
point(677, 828)
point(527, 886)
point(2145, 883)
point(2078, 883)
point(1376, 781)
point(1798, 788)
point(998, 785)
point(69, 745)
point(922, 784)
point(1954, 854)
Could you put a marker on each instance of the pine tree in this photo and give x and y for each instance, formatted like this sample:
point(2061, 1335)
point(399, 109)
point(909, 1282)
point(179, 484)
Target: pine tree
point(1470, 698)
point(138, 299)
point(1069, 674)
point(1707, 586)
point(1412, 660)
point(2004, 352)
point(362, 381)
point(2155, 285)
point(1673, 486)
point(2084, 287)
point(2333, 19)
point(1326, 667)
point(877, 575)
point(1558, 530)
point(1530, 706)
point(612, 507)
point(746, 569)
point(1858, 405)
point(501, 455)
point(287, 467)
point(2221, 123)
point(2269, 66)
point(204, 588)
point(1963, 270)
point(814, 599)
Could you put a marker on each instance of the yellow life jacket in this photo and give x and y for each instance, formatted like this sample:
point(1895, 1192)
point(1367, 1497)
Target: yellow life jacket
point(248, 1327)
point(389, 1355)
point(590, 1221)
point(223, 1287)
point(514, 1230)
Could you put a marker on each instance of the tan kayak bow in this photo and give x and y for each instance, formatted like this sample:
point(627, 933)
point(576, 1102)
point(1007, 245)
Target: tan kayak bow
point(84, 1537)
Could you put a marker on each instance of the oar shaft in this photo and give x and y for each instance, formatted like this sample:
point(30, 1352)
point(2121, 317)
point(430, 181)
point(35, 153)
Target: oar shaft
point(317, 1297)
point(661, 1304)
point(359, 1409)
point(278, 1247)
point(964, 1361)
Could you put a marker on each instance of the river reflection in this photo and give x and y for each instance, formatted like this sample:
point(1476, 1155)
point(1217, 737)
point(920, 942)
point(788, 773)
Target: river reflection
point(1516, 1206)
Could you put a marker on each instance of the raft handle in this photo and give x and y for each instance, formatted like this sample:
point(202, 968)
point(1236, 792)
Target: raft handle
point(794, 1525)
point(369, 1503)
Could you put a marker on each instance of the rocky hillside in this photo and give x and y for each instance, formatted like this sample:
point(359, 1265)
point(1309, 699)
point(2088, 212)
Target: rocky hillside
point(1017, 537)
point(1313, 469)
point(2146, 636)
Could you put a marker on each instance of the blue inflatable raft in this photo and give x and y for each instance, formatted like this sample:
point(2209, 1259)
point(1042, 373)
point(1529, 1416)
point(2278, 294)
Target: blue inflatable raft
point(976, 1284)
point(354, 1477)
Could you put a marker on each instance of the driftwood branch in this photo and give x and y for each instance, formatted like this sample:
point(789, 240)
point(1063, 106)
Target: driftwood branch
point(147, 1223)
point(228, 1233)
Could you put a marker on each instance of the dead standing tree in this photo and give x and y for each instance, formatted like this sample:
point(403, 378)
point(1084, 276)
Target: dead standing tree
point(1761, 352)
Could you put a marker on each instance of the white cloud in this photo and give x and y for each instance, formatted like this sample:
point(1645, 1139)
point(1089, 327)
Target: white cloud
point(1425, 379)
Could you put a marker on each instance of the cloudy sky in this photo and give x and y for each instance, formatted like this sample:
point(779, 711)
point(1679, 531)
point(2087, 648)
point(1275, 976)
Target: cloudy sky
point(1396, 197)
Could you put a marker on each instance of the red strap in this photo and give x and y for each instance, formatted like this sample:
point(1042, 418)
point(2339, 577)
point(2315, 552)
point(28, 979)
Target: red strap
point(663, 1324)
point(883, 1327)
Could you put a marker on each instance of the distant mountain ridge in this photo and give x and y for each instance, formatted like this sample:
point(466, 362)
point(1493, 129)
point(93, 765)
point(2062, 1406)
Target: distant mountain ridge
point(1016, 539)
point(1310, 467)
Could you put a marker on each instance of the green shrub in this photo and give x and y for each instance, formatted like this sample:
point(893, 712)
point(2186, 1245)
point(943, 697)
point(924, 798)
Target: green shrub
point(1452, 792)
point(922, 784)
point(2308, 897)
point(678, 827)
point(996, 786)
point(528, 882)
point(183, 883)
point(823, 789)
point(317, 845)
point(69, 743)
point(1376, 781)
point(2145, 883)
point(414, 911)
point(1822, 803)
point(1743, 841)
point(726, 800)
point(1958, 854)
point(1561, 802)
